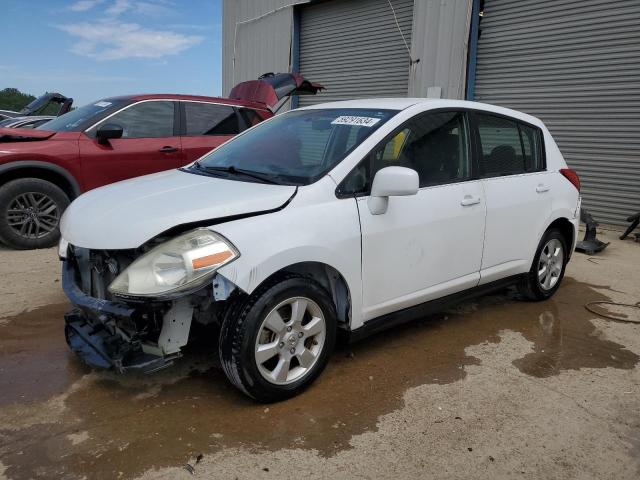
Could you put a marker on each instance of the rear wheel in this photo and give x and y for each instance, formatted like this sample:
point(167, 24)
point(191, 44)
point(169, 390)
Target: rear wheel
point(30, 211)
point(547, 270)
point(275, 343)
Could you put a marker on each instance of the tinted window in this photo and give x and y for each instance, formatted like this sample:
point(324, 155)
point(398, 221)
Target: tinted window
point(434, 144)
point(145, 120)
point(210, 119)
point(532, 148)
point(250, 117)
point(508, 147)
point(298, 147)
point(83, 117)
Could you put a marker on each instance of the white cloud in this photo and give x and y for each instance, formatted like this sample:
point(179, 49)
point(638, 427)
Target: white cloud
point(84, 5)
point(111, 40)
point(118, 7)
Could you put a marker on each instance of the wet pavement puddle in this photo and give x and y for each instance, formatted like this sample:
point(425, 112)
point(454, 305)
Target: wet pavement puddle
point(112, 425)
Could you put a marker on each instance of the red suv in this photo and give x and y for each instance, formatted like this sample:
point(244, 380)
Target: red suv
point(43, 170)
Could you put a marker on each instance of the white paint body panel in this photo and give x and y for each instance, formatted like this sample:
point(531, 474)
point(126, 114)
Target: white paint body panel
point(425, 246)
point(127, 214)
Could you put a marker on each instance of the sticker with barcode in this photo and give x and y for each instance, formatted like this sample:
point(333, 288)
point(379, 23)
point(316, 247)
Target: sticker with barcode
point(355, 121)
point(102, 104)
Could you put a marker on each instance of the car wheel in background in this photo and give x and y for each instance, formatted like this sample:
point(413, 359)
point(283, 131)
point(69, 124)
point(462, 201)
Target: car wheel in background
point(547, 270)
point(277, 341)
point(30, 211)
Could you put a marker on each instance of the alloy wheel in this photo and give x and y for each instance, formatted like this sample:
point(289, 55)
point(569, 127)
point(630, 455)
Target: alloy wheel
point(290, 340)
point(550, 264)
point(33, 215)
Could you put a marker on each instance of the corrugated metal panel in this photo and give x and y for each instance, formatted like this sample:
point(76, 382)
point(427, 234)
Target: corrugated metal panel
point(440, 40)
point(576, 65)
point(354, 48)
point(261, 45)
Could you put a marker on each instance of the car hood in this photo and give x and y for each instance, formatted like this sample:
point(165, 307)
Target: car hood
point(127, 214)
point(24, 134)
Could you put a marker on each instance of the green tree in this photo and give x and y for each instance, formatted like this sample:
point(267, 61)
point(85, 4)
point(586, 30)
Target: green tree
point(14, 99)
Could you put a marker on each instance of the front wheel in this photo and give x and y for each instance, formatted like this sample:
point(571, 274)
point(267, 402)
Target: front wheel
point(547, 270)
point(30, 212)
point(275, 343)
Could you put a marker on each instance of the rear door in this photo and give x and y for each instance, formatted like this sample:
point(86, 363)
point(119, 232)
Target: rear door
point(149, 144)
point(206, 126)
point(426, 245)
point(518, 193)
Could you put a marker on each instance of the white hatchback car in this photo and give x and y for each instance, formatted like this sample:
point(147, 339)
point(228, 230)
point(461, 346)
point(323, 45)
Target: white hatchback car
point(349, 216)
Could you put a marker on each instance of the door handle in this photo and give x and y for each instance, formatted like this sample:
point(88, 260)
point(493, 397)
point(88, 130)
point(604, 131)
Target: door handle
point(168, 149)
point(469, 200)
point(541, 188)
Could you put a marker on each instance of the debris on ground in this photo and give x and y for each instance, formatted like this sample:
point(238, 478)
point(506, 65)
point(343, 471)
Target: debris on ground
point(589, 244)
point(635, 221)
point(191, 468)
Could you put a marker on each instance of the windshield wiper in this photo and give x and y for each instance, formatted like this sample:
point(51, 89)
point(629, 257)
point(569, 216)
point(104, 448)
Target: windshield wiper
point(238, 171)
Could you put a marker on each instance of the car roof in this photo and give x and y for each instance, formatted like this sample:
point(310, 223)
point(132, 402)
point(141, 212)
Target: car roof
point(195, 98)
point(403, 103)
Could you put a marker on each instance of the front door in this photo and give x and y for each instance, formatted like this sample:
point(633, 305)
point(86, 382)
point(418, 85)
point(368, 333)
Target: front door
point(149, 144)
point(430, 244)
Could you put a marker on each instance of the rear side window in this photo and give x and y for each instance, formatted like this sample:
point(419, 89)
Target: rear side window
point(250, 117)
point(532, 147)
point(145, 120)
point(210, 119)
point(508, 147)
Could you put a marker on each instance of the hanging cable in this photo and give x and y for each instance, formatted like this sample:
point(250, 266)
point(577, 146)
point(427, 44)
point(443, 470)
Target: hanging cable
point(395, 17)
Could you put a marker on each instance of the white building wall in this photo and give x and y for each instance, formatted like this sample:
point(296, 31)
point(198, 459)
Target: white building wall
point(261, 34)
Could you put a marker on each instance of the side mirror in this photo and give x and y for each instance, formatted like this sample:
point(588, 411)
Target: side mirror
point(107, 132)
point(391, 182)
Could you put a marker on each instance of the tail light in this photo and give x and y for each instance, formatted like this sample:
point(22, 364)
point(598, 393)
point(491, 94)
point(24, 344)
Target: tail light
point(572, 176)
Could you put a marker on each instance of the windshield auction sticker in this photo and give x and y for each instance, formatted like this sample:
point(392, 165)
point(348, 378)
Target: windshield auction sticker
point(356, 121)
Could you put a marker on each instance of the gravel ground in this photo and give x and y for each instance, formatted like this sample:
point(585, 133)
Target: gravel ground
point(492, 389)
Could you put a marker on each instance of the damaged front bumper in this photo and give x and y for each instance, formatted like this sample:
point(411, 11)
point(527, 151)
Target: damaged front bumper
point(93, 332)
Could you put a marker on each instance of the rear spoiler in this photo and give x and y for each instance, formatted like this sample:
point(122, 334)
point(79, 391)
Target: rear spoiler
point(271, 88)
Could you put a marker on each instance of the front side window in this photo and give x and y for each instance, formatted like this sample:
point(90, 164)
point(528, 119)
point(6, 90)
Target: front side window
point(83, 117)
point(297, 147)
point(508, 147)
point(210, 119)
point(152, 119)
point(433, 144)
point(436, 145)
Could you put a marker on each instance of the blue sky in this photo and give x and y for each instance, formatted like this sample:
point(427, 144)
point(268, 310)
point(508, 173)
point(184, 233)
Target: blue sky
point(91, 49)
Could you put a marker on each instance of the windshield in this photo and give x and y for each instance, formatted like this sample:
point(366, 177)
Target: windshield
point(77, 119)
point(295, 148)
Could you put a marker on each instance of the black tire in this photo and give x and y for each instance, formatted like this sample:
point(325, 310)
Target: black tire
point(530, 286)
point(42, 233)
point(242, 325)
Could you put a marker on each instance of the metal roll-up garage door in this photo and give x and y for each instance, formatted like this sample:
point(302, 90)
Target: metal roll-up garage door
point(354, 48)
point(576, 65)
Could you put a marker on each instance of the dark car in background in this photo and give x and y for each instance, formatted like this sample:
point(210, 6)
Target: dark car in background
point(25, 122)
point(52, 104)
point(42, 170)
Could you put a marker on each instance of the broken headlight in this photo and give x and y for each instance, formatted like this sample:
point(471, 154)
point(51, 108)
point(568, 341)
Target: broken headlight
point(184, 263)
